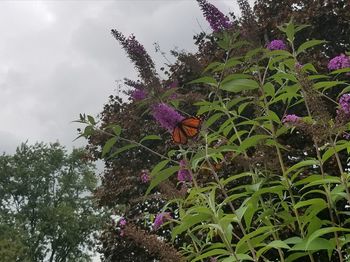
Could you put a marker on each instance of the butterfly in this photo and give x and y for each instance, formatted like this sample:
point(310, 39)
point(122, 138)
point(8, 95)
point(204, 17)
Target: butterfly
point(187, 128)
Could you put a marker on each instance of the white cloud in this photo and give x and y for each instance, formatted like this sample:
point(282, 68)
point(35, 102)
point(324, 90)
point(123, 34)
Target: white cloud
point(58, 59)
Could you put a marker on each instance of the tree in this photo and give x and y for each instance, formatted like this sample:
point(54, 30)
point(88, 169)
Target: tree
point(46, 210)
point(232, 202)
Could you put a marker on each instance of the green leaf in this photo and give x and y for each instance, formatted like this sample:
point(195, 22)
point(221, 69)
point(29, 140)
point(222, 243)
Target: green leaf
point(331, 151)
point(108, 146)
point(91, 120)
point(241, 257)
point(316, 244)
point(251, 141)
point(211, 253)
point(122, 149)
point(150, 137)
point(322, 232)
point(161, 176)
point(274, 244)
point(301, 164)
point(204, 80)
point(319, 202)
point(309, 44)
point(238, 85)
point(324, 85)
point(212, 66)
point(159, 167)
point(188, 221)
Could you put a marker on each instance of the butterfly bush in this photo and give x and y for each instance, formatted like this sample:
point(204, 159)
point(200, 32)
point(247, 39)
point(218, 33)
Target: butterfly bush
point(216, 19)
point(339, 62)
point(160, 219)
point(276, 44)
point(183, 174)
point(166, 116)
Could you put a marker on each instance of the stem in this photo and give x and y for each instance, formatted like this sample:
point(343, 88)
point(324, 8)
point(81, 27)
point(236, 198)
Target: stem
point(280, 158)
point(327, 190)
point(138, 144)
point(343, 177)
point(252, 250)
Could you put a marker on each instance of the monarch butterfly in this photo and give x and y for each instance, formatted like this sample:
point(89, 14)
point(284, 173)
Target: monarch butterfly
point(187, 128)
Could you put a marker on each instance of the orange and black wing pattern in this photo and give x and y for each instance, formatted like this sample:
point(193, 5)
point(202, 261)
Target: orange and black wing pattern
point(187, 128)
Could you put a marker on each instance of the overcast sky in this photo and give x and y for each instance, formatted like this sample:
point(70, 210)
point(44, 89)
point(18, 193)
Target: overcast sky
point(58, 58)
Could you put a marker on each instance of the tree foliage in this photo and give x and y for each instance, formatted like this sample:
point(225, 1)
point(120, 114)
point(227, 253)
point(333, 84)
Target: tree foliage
point(46, 210)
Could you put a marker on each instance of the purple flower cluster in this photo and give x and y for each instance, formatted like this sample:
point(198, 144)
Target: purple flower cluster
point(145, 177)
point(339, 62)
point(276, 44)
point(166, 116)
point(133, 46)
point(138, 55)
point(138, 94)
point(217, 20)
point(160, 219)
point(291, 119)
point(344, 103)
point(183, 174)
point(122, 222)
point(173, 84)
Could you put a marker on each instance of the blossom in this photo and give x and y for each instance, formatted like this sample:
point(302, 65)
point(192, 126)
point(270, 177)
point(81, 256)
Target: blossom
point(346, 135)
point(145, 177)
point(291, 119)
point(173, 84)
point(138, 55)
point(344, 103)
point(160, 219)
point(277, 44)
point(166, 116)
point(216, 19)
point(339, 62)
point(122, 221)
point(183, 174)
point(138, 94)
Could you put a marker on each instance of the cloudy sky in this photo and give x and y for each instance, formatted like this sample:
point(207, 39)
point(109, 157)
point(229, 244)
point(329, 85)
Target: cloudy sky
point(58, 58)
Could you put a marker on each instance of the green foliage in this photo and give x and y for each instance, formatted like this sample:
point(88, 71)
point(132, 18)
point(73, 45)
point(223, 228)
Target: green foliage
point(46, 212)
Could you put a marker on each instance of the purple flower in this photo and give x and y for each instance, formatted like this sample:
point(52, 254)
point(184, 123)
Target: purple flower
point(173, 84)
point(183, 174)
point(122, 222)
point(138, 55)
point(138, 94)
point(346, 135)
point(145, 177)
point(160, 219)
point(217, 20)
point(213, 259)
point(344, 103)
point(166, 116)
point(291, 119)
point(339, 62)
point(276, 45)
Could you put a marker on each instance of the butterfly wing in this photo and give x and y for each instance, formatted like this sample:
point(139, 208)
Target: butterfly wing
point(179, 136)
point(190, 126)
